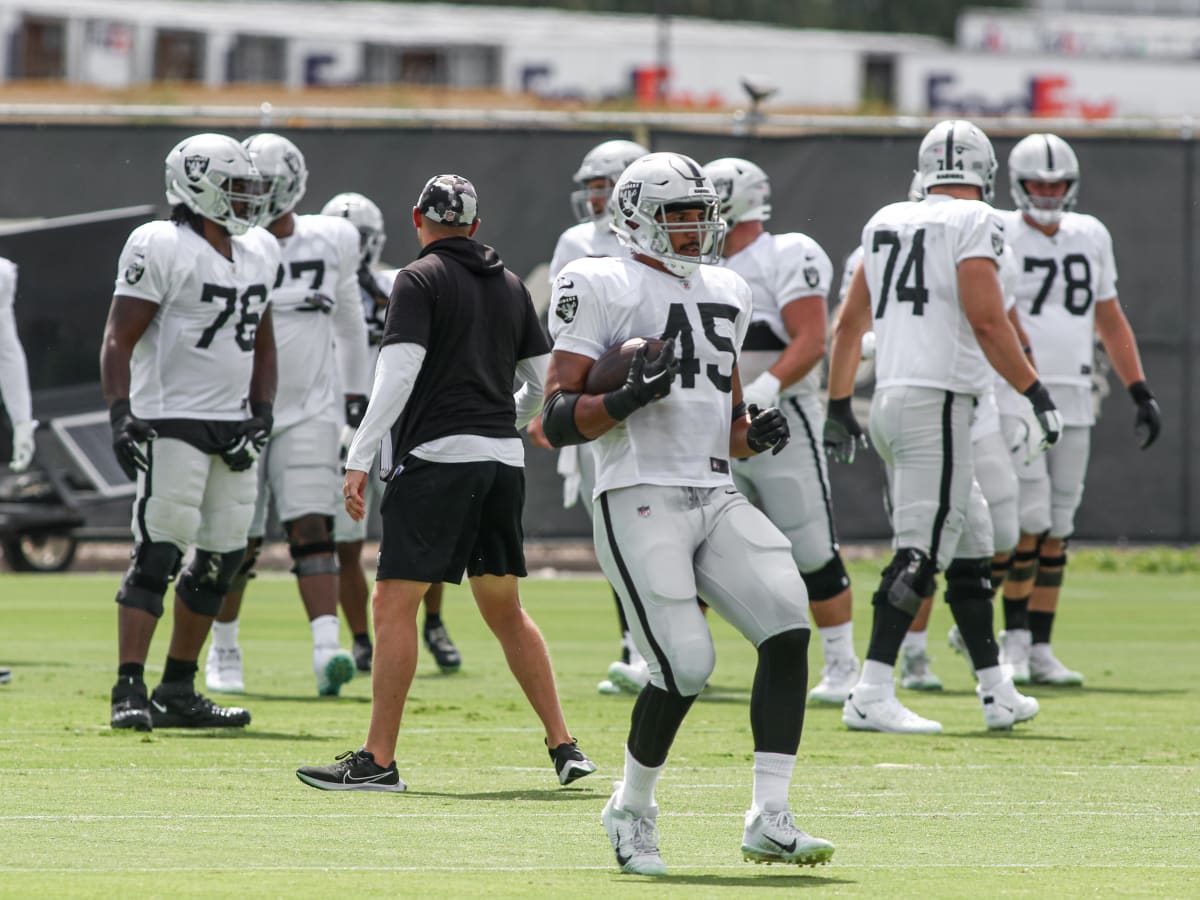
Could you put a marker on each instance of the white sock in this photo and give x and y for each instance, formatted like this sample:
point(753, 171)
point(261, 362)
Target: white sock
point(837, 641)
point(915, 640)
point(324, 631)
point(637, 790)
point(877, 673)
point(225, 635)
point(772, 778)
point(990, 677)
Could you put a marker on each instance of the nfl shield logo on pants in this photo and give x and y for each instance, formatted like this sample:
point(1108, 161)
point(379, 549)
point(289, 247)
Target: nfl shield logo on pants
point(644, 512)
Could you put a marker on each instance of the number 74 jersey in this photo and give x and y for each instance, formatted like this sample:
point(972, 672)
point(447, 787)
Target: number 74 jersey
point(195, 359)
point(911, 253)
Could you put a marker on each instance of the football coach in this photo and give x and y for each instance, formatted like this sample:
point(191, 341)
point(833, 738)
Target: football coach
point(460, 329)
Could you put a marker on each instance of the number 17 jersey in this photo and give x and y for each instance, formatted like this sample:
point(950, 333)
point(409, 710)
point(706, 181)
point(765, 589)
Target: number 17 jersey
point(195, 359)
point(682, 439)
point(911, 257)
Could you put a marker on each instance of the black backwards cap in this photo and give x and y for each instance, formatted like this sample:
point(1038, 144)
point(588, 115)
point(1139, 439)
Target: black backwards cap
point(449, 199)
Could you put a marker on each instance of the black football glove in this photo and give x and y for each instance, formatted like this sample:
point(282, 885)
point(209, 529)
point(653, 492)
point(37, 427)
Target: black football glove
point(1047, 413)
point(250, 438)
point(843, 436)
point(769, 429)
point(1148, 422)
point(645, 383)
point(128, 432)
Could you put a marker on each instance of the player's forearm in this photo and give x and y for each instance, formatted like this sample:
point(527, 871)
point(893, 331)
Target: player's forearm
point(798, 359)
point(14, 371)
point(115, 357)
point(1002, 349)
point(1119, 343)
point(264, 378)
point(739, 445)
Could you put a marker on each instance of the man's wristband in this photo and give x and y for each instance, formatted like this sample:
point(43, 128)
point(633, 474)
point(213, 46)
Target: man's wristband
point(119, 410)
point(1039, 396)
point(620, 404)
point(1140, 392)
point(839, 407)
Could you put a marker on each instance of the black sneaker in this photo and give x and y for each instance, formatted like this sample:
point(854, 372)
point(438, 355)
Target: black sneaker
point(130, 705)
point(442, 648)
point(5, 675)
point(355, 770)
point(175, 704)
point(363, 654)
point(570, 762)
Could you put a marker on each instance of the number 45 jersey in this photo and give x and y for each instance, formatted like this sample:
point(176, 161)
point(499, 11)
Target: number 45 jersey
point(195, 359)
point(911, 257)
point(682, 439)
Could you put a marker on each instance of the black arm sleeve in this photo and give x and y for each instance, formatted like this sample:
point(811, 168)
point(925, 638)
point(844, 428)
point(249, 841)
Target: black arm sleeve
point(558, 420)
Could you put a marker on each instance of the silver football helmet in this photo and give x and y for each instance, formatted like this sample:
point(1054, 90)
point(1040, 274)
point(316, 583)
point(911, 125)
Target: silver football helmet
point(282, 164)
point(744, 189)
point(916, 191)
point(607, 161)
point(363, 215)
point(658, 184)
point(1043, 157)
point(957, 152)
point(213, 176)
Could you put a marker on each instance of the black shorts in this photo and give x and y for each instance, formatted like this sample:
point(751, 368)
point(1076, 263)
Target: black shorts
point(442, 518)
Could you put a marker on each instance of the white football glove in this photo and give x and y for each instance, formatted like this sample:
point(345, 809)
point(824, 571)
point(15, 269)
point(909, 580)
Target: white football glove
point(762, 392)
point(1029, 439)
point(22, 445)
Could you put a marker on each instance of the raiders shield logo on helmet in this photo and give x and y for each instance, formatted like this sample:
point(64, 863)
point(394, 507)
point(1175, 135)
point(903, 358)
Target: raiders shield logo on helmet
point(194, 167)
point(628, 197)
point(811, 276)
point(568, 305)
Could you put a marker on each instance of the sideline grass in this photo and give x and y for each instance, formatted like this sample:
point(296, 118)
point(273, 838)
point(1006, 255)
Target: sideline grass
point(1099, 796)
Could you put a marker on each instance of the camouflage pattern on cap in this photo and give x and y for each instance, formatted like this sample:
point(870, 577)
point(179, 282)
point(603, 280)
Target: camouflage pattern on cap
point(450, 200)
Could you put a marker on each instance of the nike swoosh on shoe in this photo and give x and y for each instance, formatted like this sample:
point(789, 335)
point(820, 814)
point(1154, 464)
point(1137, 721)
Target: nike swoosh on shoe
point(352, 779)
point(786, 848)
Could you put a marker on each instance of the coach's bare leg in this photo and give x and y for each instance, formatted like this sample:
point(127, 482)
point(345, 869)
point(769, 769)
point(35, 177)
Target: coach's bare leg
point(352, 586)
point(394, 607)
point(524, 648)
point(834, 611)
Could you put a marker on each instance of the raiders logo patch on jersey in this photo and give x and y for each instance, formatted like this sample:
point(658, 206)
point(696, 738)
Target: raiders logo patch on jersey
point(811, 276)
point(568, 305)
point(195, 167)
point(998, 243)
point(135, 270)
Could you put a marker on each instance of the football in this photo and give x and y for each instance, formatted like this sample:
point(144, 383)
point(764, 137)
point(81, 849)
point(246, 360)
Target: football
point(610, 371)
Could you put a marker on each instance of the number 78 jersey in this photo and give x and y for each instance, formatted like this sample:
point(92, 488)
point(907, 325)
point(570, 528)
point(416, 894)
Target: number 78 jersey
point(195, 359)
point(910, 260)
point(682, 439)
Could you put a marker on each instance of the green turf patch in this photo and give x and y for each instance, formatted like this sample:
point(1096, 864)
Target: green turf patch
point(1098, 796)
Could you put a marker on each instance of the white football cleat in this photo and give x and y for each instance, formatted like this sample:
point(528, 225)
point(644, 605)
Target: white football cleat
point(1003, 706)
point(959, 646)
point(772, 837)
point(333, 667)
point(1044, 668)
point(607, 687)
point(1014, 653)
point(223, 671)
point(630, 677)
point(634, 838)
point(874, 707)
point(915, 674)
point(837, 680)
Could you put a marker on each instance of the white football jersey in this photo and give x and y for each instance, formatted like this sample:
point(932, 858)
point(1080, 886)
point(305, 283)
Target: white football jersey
point(195, 359)
point(320, 335)
point(682, 439)
point(911, 257)
point(1061, 278)
point(585, 239)
point(779, 268)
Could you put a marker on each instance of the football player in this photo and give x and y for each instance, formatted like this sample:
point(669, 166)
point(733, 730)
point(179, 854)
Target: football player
point(188, 351)
point(375, 282)
point(669, 525)
point(593, 236)
point(320, 336)
point(14, 374)
point(928, 280)
point(1066, 295)
point(789, 276)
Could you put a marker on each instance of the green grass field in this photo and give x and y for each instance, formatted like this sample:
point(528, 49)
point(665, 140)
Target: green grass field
point(1098, 796)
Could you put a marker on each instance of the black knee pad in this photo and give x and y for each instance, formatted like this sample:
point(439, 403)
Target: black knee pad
point(907, 580)
point(969, 579)
point(1024, 565)
point(316, 558)
point(246, 570)
point(155, 564)
point(1053, 578)
point(205, 582)
point(828, 581)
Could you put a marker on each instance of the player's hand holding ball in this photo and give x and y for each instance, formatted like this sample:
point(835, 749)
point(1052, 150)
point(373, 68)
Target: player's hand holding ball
point(769, 429)
point(649, 379)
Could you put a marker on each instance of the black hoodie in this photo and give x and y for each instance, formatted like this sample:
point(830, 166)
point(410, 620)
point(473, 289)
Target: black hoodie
point(476, 321)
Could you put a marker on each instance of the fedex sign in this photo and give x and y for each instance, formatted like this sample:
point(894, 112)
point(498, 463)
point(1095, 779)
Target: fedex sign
point(1049, 96)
